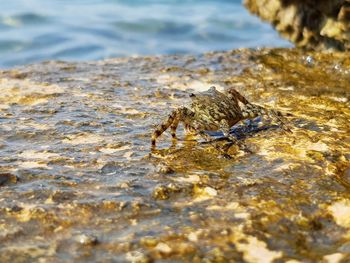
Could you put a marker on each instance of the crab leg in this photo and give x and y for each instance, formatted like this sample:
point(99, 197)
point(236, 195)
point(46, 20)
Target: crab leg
point(206, 137)
point(251, 111)
point(173, 120)
point(225, 128)
point(173, 127)
point(234, 94)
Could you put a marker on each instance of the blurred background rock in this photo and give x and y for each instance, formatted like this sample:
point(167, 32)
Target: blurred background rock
point(311, 24)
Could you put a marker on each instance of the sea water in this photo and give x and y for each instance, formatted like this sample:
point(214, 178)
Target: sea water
point(74, 30)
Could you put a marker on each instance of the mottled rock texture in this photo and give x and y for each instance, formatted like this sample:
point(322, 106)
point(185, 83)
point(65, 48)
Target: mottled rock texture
point(310, 24)
point(80, 183)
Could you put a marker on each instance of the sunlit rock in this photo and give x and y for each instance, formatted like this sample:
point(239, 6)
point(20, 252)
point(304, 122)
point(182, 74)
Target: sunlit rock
point(78, 170)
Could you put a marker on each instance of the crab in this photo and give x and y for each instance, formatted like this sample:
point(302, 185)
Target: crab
point(213, 110)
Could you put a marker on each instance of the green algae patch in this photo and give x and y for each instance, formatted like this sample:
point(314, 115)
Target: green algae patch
point(80, 182)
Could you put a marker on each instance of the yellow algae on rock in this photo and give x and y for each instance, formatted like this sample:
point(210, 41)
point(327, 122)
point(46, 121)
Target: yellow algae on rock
point(203, 193)
point(114, 149)
point(256, 251)
point(82, 163)
point(31, 154)
point(128, 155)
point(34, 251)
point(32, 164)
point(163, 248)
point(83, 138)
point(26, 91)
point(192, 178)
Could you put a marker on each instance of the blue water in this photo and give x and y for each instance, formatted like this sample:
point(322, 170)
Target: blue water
point(36, 30)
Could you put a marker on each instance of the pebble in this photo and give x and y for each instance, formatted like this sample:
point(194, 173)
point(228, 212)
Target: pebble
point(210, 191)
point(340, 211)
point(163, 248)
point(334, 258)
point(310, 61)
point(148, 241)
point(192, 237)
point(85, 239)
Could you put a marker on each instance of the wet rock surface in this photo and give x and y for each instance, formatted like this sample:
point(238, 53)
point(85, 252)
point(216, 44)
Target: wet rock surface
point(319, 25)
point(82, 183)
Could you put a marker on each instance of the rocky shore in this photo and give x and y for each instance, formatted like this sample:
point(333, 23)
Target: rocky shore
point(79, 182)
point(310, 24)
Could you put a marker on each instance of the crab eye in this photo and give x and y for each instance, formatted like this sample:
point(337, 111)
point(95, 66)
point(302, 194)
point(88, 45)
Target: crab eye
point(192, 95)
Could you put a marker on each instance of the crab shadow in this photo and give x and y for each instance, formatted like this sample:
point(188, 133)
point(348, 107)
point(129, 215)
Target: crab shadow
point(247, 129)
